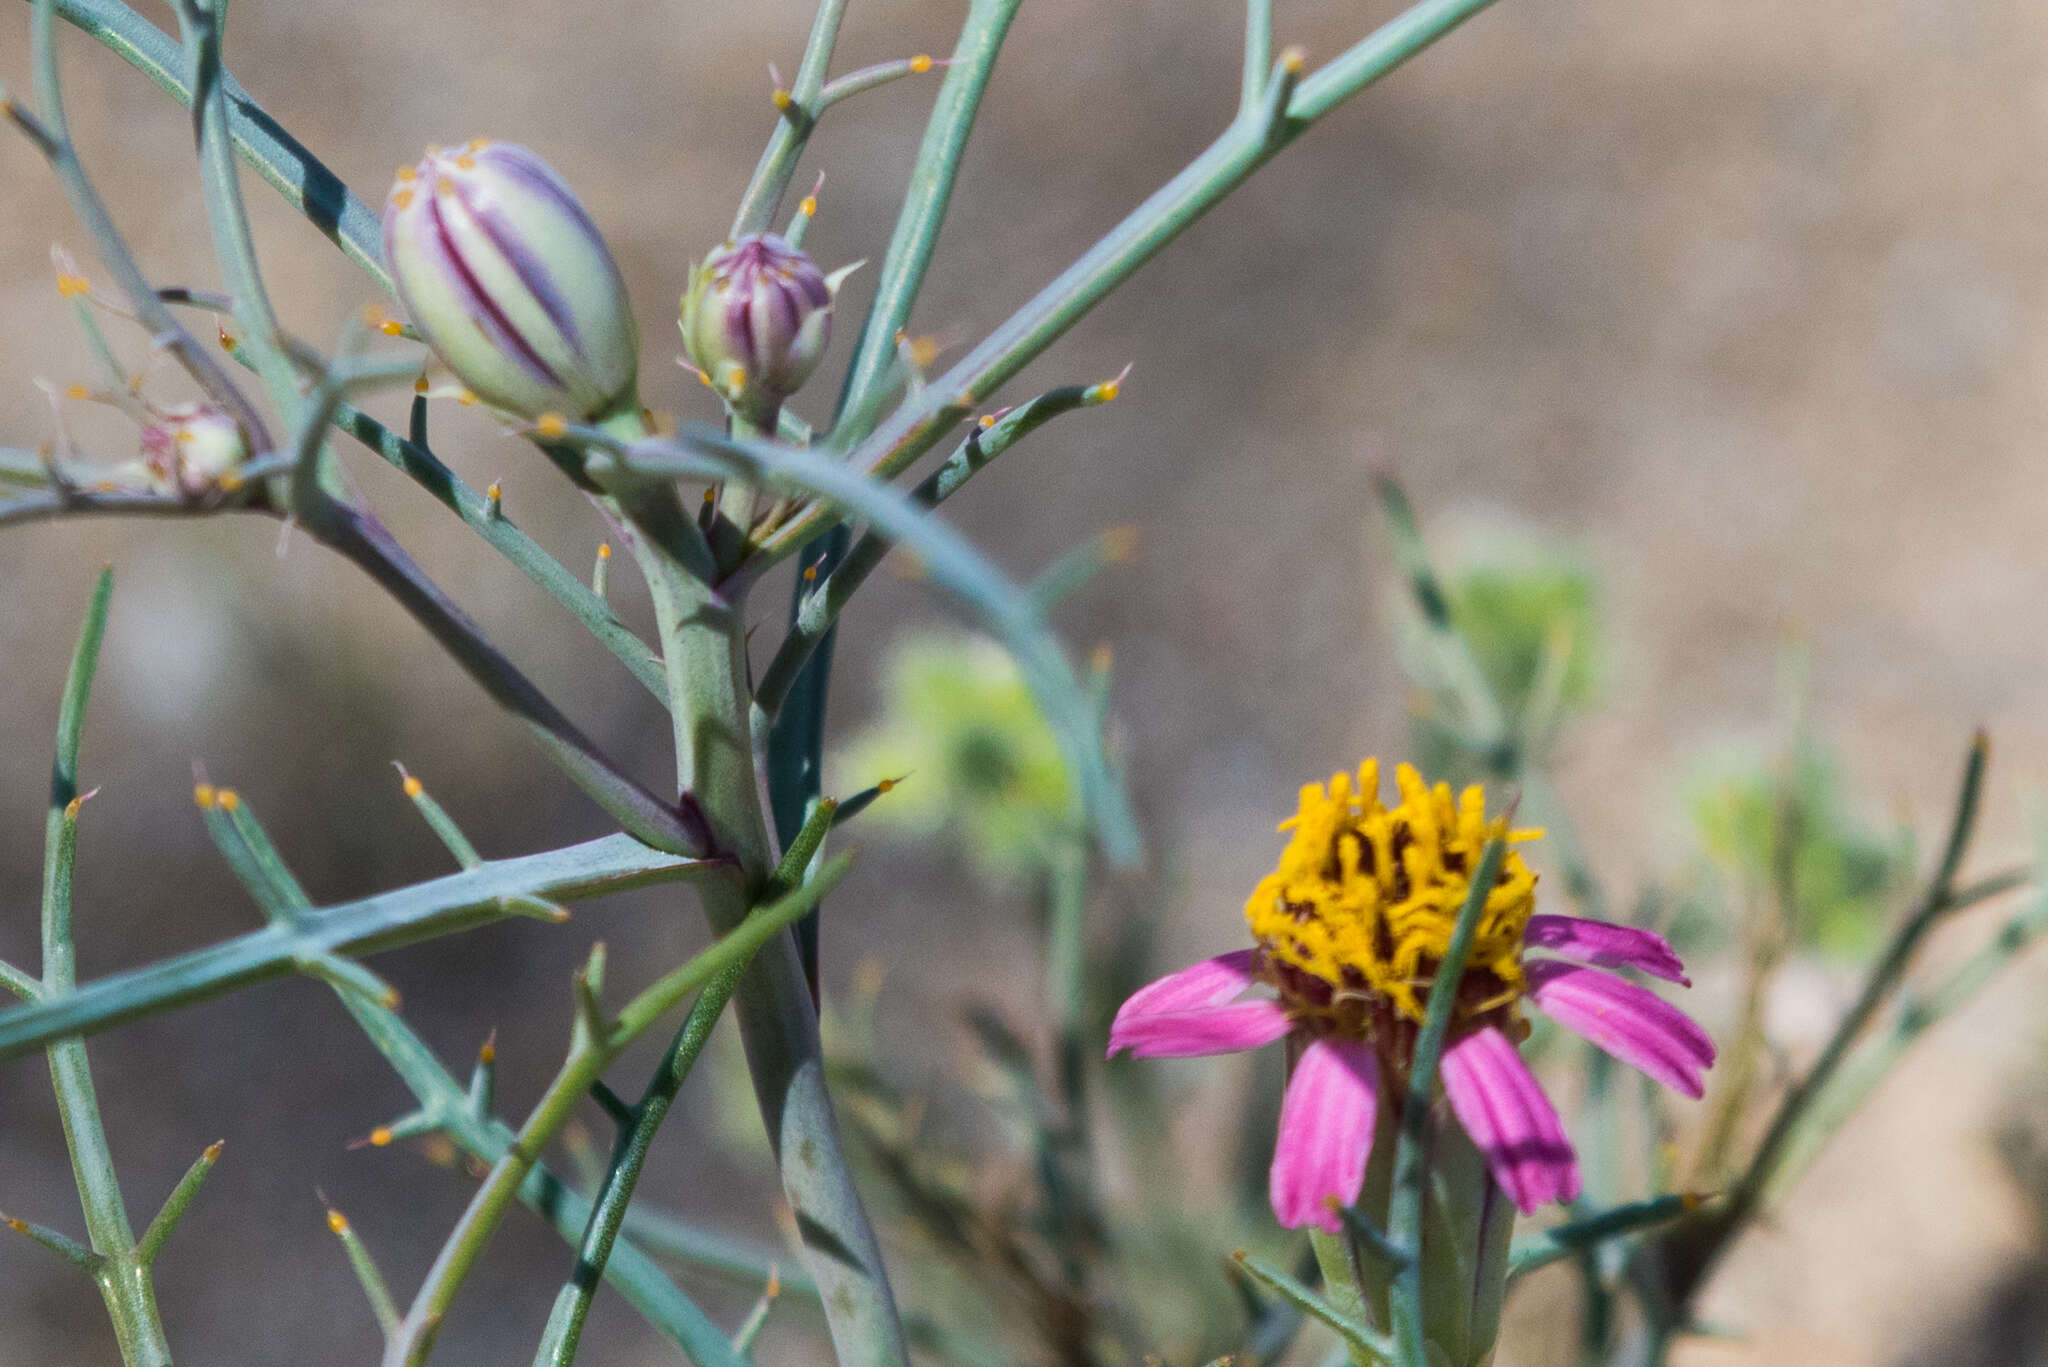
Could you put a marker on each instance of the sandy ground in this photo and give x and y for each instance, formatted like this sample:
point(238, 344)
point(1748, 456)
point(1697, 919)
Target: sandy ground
point(1744, 299)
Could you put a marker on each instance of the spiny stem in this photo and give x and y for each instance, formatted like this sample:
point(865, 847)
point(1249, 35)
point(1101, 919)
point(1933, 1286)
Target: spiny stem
point(233, 245)
point(772, 175)
point(1251, 140)
point(952, 561)
point(485, 516)
point(591, 1052)
point(440, 906)
point(608, 1211)
point(163, 325)
point(1258, 52)
point(869, 77)
point(63, 1245)
point(818, 605)
point(1568, 1240)
point(924, 210)
point(123, 1276)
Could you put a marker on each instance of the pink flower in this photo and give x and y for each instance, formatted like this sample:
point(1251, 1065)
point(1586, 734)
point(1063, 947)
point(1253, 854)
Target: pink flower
point(1350, 927)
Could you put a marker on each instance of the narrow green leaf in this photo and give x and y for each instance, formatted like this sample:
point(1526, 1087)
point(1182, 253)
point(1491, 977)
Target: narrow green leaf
point(173, 1210)
point(63, 1245)
point(439, 821)
point(375, 1289)
point(1360, 1337)
point(1563, 1241)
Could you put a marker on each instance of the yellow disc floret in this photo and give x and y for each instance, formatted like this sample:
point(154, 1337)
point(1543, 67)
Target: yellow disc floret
point(1359, 913)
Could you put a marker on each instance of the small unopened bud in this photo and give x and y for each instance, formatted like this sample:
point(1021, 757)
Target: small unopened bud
point(507, 280)
point(756, 320)
point(191, 449)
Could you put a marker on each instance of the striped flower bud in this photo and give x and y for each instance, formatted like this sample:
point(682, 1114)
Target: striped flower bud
point(187, 449)
point(508, 281)
point(756, 320)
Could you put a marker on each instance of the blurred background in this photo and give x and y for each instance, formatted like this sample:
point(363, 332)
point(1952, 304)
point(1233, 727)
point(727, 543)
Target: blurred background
point(1737, 308)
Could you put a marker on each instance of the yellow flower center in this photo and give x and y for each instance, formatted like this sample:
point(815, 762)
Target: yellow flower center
point(1359, 913)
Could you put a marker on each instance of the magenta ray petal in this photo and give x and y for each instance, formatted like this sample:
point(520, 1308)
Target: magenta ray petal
point(1326, 1121)
point(1202, 1030)
point(1587, 941)
point(1511, 1122)
point(1632, 1023)
point(1208, 983)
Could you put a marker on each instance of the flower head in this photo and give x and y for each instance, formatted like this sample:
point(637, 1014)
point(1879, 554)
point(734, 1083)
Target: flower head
point(509, 282)
point(1350, 929)
point(188, 447)
point(756, 320)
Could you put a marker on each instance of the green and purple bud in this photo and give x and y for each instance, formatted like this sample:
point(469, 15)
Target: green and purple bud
point(191, 450)
point(756, 320)
point(507, 279)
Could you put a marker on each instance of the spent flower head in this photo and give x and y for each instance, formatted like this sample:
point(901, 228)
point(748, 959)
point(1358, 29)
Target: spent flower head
point(187, 448)
point(508, 281)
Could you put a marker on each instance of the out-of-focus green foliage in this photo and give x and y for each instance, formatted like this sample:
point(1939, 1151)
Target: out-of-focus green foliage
point(1529, 611)
point(1789, 829)
point(1516, 615)
point(959, 726)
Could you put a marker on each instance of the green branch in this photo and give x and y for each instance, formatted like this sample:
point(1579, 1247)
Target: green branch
point(277, 157)
point(423, 911)
point(952, 562)
point(819, 606)
point(122, 1273)
point(770, 181)
point(596, 1044)
point(1253, 138)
